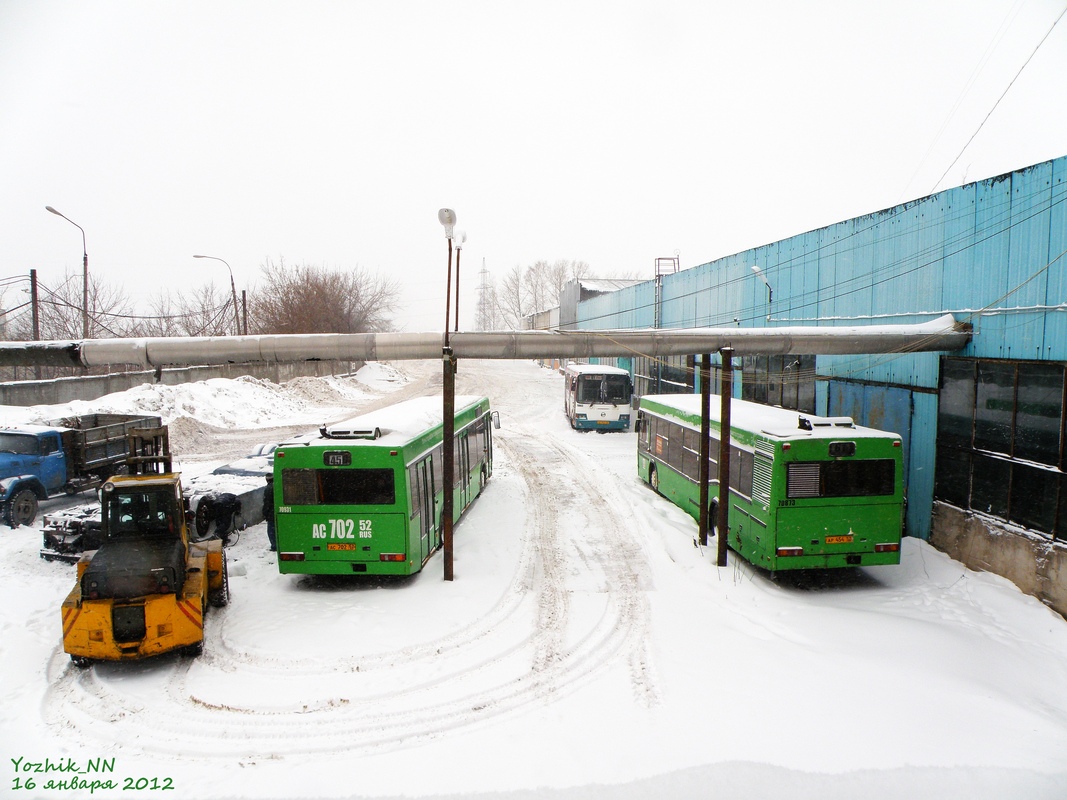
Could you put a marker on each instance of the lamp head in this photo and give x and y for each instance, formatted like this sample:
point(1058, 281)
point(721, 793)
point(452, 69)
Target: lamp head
point(460, 238)
point(447, 217)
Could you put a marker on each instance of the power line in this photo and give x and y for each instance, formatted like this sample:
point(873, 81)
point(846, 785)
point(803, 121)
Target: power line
point(997, 103)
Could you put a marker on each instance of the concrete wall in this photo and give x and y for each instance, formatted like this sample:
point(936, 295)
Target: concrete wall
point(89, 387)
point(1037, 565)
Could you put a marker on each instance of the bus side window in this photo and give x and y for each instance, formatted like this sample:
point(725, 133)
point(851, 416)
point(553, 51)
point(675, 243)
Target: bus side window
point(415, 490)
point(674, 446)
point(691, 454)
point(438, 462)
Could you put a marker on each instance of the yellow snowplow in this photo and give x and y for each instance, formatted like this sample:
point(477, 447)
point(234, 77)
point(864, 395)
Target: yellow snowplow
point(146, 589)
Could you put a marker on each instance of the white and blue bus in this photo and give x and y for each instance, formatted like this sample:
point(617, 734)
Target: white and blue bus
point(597, 397)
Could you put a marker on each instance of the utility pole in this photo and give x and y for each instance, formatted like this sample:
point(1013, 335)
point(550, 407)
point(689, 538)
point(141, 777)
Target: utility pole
point(35, 307)
point(723, 526)
point(704, 471)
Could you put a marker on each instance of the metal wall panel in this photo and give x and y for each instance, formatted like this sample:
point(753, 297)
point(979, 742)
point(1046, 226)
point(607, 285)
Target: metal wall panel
point(1055, 335)
point(1028, 257)
point(989, 263)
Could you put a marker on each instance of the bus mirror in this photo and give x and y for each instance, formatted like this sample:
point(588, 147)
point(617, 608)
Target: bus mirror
point(496, 419)
point(639, 424)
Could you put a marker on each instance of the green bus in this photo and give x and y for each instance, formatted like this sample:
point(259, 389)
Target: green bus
point(367, 495)
point(805, 491)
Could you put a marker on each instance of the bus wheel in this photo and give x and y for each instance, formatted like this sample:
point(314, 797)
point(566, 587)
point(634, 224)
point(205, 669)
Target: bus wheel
point(713, 518)
point(653, 478)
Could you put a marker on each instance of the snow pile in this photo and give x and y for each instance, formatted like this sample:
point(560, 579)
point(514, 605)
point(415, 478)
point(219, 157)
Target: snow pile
point(381, 378)
point(229, 403)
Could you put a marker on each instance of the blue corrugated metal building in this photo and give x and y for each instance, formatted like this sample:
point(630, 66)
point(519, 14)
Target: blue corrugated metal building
point(984, 428)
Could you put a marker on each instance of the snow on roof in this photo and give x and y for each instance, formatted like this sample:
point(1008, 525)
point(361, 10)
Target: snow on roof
point(609, 284)
point(782, 423)
point(32, 429)
point(398, 423)
point(599, 369)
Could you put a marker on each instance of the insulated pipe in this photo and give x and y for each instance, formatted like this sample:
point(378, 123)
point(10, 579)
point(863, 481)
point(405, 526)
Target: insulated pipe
point(942, 334)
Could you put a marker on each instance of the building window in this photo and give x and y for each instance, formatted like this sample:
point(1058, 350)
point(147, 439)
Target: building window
point(786, 381)
point(1000, 440)
point(673, 375)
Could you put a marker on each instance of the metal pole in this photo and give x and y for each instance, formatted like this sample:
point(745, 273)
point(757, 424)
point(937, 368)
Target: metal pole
point(448, 291)
point(723, 526)
point(35, 307)
point(449, 447)
point(85, 290)
point(705, 445)
point(244, 311)
point(236, 308)
point(85, 272)
point(459, 252)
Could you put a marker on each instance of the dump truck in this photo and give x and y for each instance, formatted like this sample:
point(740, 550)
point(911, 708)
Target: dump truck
point(146, 589)
point(65, 455)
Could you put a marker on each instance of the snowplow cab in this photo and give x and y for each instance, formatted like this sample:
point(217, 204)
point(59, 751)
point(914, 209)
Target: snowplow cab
point(145, 590)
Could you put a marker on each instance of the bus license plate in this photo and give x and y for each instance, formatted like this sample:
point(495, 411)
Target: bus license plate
point(340, 547)
point(602, 422)
point(839, 539)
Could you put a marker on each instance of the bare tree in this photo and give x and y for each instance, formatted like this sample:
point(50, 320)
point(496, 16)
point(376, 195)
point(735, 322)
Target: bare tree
point(207, 312)
point(536, 288)
point(513, 300)
point(61, 310)
point(312, 299)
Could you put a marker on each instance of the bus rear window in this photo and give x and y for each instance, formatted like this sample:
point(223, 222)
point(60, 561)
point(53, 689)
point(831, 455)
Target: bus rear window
point(338, 487)
point(862, 478)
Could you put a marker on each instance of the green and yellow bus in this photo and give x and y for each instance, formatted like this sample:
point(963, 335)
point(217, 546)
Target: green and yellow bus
point(367, 495)
point(805, 491)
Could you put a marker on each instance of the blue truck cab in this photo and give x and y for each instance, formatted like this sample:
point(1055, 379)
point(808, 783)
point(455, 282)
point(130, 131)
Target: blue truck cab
point(33, 465)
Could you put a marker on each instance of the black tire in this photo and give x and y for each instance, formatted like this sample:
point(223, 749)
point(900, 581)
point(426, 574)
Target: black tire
point(81, 662)
point(221, 596)
point(653, 478)
point(21, 509)
point(193, 650)
point(203, 527)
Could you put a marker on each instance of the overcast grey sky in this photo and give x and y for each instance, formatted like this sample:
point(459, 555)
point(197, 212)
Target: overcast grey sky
point(607, 132)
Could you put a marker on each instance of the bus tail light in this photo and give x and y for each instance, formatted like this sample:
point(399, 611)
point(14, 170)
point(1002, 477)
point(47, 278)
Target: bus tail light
point(887, 548)
point(392, 557)
point(789, 551)
point(290, 556)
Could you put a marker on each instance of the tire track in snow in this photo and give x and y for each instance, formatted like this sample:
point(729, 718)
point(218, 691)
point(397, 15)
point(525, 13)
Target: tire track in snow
point(480, 673)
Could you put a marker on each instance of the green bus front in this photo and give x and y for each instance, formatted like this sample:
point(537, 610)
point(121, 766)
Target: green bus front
point(342, 509)
point(822, 503)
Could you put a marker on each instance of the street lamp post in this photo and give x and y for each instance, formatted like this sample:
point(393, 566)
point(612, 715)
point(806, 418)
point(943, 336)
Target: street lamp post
point(85, 273)
point(461, 238)
point(233, 290)
point(770, 290)
point(447, 217)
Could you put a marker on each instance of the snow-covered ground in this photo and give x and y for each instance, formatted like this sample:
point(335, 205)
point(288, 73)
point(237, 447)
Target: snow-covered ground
point(586, 648)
